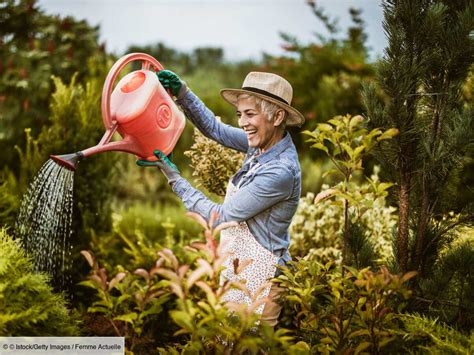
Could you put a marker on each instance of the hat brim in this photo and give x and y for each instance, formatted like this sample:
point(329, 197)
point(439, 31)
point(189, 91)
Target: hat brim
point(295, 118)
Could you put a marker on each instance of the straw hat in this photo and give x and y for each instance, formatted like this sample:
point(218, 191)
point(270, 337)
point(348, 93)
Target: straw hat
point(270, 87)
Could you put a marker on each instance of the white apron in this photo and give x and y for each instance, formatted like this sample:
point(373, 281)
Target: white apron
point(238, 243)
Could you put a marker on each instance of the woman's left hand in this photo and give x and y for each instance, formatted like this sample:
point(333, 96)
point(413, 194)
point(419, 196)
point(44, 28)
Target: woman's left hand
point(166, 166)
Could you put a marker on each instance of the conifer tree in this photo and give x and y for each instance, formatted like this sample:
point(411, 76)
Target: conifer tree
point(429, 54)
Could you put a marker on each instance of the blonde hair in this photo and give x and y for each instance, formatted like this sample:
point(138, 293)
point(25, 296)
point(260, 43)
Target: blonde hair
point(265, 106)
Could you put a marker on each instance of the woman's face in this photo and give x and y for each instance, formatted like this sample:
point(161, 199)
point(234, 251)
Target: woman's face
point(261, 132)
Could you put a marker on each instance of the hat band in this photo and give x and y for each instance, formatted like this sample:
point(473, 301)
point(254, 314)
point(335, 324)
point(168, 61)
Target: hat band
point(264, 92)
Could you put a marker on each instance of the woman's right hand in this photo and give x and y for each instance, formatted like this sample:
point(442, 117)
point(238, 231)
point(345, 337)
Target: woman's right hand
point(170, 81)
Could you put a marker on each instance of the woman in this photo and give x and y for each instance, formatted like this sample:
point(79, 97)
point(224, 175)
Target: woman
point(263, 195)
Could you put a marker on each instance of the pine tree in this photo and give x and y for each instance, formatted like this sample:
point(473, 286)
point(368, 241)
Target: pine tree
point(430, 50)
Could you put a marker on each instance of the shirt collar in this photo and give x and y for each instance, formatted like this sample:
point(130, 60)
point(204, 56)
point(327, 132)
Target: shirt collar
point(275, 150)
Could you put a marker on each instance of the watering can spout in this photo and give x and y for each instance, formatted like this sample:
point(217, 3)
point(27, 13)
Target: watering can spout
point(69, 161)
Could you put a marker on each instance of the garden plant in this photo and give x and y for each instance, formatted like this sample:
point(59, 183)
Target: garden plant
point(382, 242)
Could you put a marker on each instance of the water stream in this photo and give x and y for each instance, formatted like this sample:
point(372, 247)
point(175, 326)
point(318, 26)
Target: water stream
point(44, 221)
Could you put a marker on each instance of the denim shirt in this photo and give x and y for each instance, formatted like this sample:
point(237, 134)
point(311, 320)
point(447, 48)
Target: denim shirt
point(268, 194)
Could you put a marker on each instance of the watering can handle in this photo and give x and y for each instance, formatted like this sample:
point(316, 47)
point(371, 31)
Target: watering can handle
point(147, 61)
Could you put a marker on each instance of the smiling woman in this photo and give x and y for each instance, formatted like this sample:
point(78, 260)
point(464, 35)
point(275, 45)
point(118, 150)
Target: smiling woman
point(263, 122)
point(262, 196)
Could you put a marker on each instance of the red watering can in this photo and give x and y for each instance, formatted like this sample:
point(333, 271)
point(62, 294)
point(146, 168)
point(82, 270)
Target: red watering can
point(139, 109)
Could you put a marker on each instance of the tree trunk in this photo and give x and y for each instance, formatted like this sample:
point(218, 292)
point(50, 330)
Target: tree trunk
point(404, 206)
point(421, 231)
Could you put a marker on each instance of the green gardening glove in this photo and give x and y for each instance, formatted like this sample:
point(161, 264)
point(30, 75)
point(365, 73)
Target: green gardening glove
point(170, 81)
point(166, 166)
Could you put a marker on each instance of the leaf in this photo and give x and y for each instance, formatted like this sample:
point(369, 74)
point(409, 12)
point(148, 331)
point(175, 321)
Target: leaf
point(198, 218)
point(385, 341)
point(388, 134)
point(359, 332)
point(143, 273)
point(119, 277)
point(177, 290)
point(89, 283)
point(211, 297)
point(182, 319)
point(156, 308)
point(336, 121)
point(99, 309)
point(243, 265)
point(308, 133)
point(362, 346)
point(348, 149)
point(223, 226)
point(183, 269)
point(325, 127)
point(128, 318)
point(408, 276)
point(324, 194)
point(196, 275)
point(320, 146)
point(358, 151)
point(326, 340)
point(168, 255)
point(356, 120)
point(168, 274)
point(88, 255)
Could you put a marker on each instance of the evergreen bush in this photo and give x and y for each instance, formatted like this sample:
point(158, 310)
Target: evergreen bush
point(29, 305)
point(424, 335)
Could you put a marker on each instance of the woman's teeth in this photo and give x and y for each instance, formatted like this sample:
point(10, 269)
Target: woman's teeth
point(250, 133)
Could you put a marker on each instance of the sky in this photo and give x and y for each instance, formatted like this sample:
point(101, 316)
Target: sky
point(243, 28)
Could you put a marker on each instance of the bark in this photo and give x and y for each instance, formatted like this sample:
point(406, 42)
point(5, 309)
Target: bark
point(404, 206)
point(421, 231)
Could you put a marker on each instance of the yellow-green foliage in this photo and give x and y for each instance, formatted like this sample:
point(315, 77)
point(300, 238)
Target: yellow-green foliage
point(424, 335)
point(139, 230)
point(28, 305)
point(12, 188)
point(213, 163)
point(344, 310)
point(131, 301)
point(205, 322)
point(317, 225)
point(9, 198)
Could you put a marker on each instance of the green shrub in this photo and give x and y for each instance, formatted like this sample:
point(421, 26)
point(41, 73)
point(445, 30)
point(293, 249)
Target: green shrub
point(448, 291)
point(213, 163)
point(29, 306)
point(424, 335)
point(344, 310)
point(139, 231)
point(133, 302)
point(316, 230)
point(346, 141)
